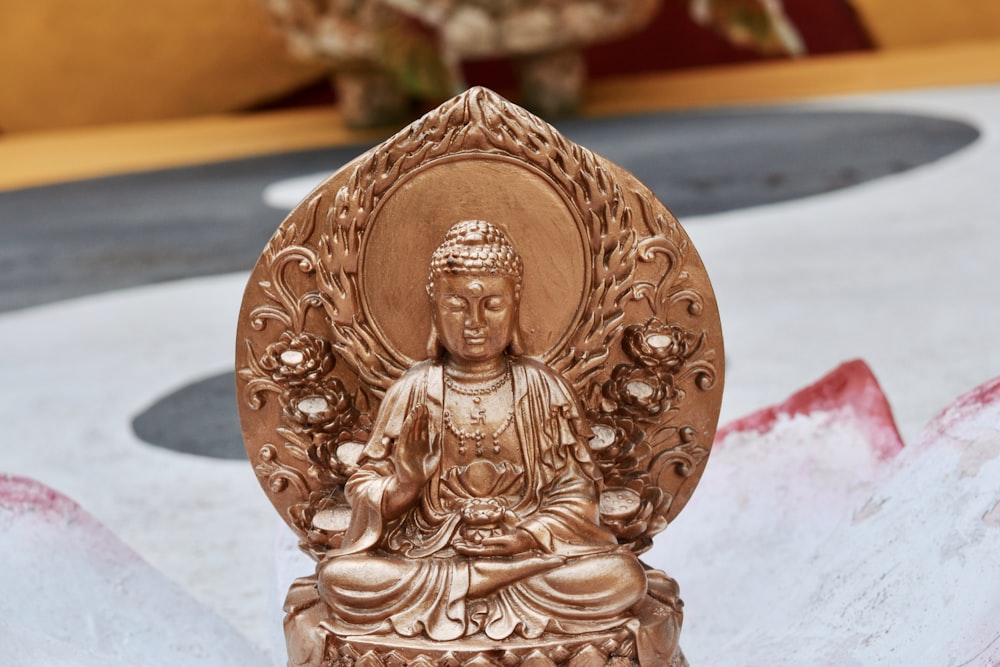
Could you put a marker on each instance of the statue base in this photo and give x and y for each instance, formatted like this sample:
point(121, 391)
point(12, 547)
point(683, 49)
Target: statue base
point(648, 640)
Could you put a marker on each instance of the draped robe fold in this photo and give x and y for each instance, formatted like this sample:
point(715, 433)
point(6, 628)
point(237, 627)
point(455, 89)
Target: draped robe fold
point(403, 576)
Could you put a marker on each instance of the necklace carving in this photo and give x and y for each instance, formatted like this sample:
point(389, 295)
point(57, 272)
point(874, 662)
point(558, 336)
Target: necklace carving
point(477, 415)
point(477, 390)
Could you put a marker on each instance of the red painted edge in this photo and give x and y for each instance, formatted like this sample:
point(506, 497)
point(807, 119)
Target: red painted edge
point(964, 406)
point(33, 502)
point(21, 494)
point(850, 387)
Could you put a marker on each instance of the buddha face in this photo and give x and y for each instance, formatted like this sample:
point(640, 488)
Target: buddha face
point(475, 315)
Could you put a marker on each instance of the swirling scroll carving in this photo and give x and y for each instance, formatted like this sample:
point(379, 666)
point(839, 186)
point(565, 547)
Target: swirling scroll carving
point(647, 339)
point(639, 445)
point(318, 415)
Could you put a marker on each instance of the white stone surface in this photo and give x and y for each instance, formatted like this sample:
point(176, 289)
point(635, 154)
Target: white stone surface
point(805, 547)
point(93, 364)
point(286, 195)
point(901, 272)
point(73, 594)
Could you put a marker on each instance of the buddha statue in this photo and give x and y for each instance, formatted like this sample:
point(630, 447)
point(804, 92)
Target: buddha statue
point(481, 501)
point(476, 507)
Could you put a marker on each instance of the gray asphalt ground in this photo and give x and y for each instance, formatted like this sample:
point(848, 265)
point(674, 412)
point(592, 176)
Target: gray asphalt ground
point(85, 237)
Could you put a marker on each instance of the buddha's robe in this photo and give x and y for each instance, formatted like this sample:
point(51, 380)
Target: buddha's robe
point(403, 576)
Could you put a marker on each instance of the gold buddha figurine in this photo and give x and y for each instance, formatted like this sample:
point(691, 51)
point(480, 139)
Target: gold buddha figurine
point(483, 501)
point(476, 508)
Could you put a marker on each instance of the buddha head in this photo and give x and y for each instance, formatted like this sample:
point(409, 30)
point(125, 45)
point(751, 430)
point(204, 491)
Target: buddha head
point(475, 291)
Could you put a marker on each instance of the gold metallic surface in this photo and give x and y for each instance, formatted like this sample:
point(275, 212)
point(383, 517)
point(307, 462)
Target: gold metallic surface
point(480, 368)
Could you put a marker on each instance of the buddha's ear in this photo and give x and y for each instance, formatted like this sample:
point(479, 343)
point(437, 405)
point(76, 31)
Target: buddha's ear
point(516, 346)
point(435, 350)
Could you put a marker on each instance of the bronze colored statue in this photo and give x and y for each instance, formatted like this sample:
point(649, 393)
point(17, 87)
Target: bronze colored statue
point(482, 501)
point(478, 508)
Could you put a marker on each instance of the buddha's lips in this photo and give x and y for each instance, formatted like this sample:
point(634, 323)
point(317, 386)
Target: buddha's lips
point(475, 339)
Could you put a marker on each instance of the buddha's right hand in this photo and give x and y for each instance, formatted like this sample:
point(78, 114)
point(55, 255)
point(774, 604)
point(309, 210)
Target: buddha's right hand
point(415, 458)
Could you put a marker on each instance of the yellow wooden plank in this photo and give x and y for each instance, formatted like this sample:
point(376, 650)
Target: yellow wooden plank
point(68, 64)
point(951, 65)
point(47, 157)
point(37, 158)
point(894, 24)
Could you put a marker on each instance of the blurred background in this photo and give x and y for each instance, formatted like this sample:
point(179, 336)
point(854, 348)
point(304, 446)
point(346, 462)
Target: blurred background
point(110, 61)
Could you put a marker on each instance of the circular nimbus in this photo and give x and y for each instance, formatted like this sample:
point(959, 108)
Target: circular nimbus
point(412, 220)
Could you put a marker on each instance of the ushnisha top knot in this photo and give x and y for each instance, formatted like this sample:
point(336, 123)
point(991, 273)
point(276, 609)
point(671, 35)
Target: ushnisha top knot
point(475, 247)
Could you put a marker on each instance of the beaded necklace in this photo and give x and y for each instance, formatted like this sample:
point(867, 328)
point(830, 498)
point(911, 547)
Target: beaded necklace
point(476, 393)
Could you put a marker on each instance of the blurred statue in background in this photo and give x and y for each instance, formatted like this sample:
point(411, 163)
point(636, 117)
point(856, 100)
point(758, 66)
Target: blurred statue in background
point(383, 51)
point(477, 455)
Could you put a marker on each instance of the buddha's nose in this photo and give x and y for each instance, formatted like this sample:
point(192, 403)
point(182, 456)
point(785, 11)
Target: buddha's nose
point(474, 319)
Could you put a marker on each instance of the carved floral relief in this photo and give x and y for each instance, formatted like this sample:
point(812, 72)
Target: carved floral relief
point(643, 353)
point(615, 303)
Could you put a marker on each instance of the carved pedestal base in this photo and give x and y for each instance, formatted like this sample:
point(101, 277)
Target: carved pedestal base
point(650, 640)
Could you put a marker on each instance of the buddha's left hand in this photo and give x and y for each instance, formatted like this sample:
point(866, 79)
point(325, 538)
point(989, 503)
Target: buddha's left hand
point(516, 541)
